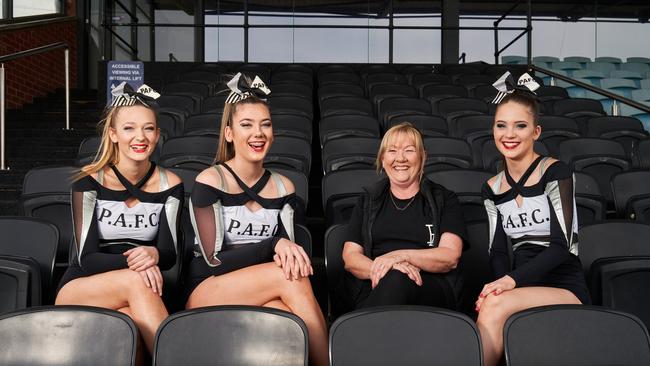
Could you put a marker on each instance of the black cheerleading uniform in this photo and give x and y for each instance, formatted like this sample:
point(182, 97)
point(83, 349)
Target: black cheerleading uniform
point(105, 227)
point(543, 230)
point(229, 236)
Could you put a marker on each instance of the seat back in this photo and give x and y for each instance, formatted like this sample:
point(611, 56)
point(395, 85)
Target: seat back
point(70, 335)
point(475, 265)
point(423, 336)
point(621, 284)
point(590, 203)
point(46, 195)
point(231, 335)
point(14, 285)
point(467, 184)
point(350, 153)
point(577, 335)
point(20, 283)
point(600, 158)
point(203, 124)
point(192, 152)
point(628, 187)
point(429, 126)
point(612, 239)
point(447, 153)
point(334, 267)
point(340, 191)
point(342, 126)
point(33, 238)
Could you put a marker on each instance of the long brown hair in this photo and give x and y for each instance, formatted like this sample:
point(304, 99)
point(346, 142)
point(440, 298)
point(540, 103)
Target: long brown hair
point(226, 150)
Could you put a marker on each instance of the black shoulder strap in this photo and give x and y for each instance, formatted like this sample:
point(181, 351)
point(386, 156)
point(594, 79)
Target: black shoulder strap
point(135, 189)
point(251, 192)
point(517, 185)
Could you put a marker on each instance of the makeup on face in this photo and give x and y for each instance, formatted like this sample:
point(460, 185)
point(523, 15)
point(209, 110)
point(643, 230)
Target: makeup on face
point(514, 130)
point(135, 132)
point(251, 131)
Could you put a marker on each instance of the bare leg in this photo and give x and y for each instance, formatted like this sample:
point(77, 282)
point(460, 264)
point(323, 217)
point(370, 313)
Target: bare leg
point(496, 309)
point(277, 304)
point(264, 284)
point(141, 358)
point(118, 290)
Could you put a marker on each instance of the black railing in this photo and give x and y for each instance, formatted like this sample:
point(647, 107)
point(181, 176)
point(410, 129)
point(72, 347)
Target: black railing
point(26, 53)
point(34, 51)
point(592, 88)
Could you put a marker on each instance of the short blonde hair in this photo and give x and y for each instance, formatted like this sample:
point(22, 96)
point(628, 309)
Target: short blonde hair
point(402, 129)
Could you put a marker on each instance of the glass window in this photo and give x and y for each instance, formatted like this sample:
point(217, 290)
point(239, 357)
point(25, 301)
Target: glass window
point(24, 8)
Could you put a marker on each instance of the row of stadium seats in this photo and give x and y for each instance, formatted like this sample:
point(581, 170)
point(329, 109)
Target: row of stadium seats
point(46, 196)
point(614, 256)
point(233, 335)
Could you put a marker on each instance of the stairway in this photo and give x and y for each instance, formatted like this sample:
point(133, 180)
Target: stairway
point(36, 136)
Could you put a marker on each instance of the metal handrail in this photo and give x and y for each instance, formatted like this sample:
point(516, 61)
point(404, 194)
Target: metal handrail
point(592, 88)
point(526, 31)
point(21, 54)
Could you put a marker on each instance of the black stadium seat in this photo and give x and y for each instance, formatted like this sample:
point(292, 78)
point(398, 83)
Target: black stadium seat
point(340, 190)
point(20, 281)
point(419, 80)
point(627, 131)
point(203, 124)
point(466, 183)
point(576, 335)
point(350, 153)
point(580, 109)
point(192, 152)
point(400, 105)
point(423, 336)
point(70, 335)
point(32, 238)
point(338, 301)
point(46, 195)
point(631, 192)
point(447, 153)
point(231, 335)
point(345, 105)
point(590, 202)
point(599, 158)
point(342, 126)
point(429, 126)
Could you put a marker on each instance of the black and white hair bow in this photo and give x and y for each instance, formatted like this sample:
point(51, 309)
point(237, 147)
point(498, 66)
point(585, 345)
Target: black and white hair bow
point(506, 85)
point(124, 95)
point(241, 87)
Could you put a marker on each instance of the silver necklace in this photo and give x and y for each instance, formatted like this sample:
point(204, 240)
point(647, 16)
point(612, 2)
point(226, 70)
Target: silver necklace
point(401, 208)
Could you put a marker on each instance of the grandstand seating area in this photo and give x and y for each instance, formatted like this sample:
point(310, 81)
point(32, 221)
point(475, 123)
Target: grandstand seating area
point(629, 78)
point(328, 121)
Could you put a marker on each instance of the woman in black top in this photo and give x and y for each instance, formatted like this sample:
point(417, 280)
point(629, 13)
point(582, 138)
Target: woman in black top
point(242, 215)
point(406, 233)
point(125, 213)
point(531, 202)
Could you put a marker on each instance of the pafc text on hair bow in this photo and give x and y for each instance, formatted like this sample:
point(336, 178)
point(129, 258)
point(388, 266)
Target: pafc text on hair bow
point(506, 85)
point(124, 95)
point(242, 87)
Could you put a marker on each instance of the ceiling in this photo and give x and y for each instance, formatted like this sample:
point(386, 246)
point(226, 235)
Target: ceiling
point(570, 10)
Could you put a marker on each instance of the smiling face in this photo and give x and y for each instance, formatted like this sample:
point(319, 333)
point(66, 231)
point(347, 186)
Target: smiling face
point(402, 159)
point(135, 132)
point(515, 130)
point(250, 131)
